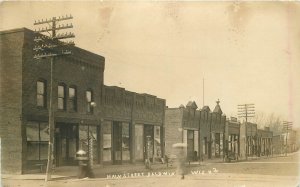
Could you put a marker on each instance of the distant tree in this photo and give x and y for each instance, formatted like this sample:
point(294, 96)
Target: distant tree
point(271, 120)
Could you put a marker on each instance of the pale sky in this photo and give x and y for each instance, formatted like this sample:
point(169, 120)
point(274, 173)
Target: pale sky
point(246, 52)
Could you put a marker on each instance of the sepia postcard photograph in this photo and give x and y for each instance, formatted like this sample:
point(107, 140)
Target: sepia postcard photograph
point(149, 93)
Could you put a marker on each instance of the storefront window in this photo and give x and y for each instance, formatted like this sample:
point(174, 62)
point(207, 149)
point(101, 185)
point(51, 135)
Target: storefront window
point(185, 140)
point(87, 141)
point(229, 142)
point(213, 144)
point(139, 142)
point(125, 142)
point(221, 144)
point(107, 141)
point(83, 140)
point(204, 146)
point(37, 140)
point(149, 144)
point(93, 143)
point(157, 145)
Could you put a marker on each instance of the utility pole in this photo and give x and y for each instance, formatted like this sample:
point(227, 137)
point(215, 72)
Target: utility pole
point(287, 125)
point(49, 44)
point(247, 111)
point(203, 92)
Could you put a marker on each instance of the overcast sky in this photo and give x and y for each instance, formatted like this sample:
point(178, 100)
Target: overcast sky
point(246, 52)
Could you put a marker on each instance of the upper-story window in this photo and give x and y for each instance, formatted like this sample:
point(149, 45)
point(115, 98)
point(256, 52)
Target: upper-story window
point(61, 99)
point(89, 100)
point(41, 94)
point(73, 98)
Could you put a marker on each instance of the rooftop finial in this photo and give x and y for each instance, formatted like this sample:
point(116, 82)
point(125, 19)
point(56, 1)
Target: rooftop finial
point(218, 101)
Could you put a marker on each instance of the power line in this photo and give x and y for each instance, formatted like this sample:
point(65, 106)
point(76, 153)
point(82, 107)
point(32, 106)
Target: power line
point(50, 46)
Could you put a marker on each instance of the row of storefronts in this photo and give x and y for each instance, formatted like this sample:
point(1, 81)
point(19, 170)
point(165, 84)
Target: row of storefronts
point(210, 135)
point(113, 125)
point(118, 137)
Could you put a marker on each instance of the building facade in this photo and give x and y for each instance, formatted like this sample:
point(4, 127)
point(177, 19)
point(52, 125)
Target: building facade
point(201, 130)
point(132, 126)
point(232, 136)
point(103, 120)
point(182, 126)
point(264, 142)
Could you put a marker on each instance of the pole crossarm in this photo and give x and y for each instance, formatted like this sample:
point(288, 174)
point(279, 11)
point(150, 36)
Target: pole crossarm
point(287, 126)
point(50, 46)
point(247, 111)
point(62, 18)
point(53, 44)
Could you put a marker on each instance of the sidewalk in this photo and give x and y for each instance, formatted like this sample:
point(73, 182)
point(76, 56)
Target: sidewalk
point(101, 171)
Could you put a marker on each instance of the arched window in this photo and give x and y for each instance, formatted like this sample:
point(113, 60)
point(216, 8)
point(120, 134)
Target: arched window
point(41, 93)
point(89, 100)
point(61, 96)
point(73, 98)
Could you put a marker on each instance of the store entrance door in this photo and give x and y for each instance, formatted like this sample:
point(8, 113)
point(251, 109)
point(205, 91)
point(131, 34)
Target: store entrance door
point(190, 145)
point(117, 143)
point(66, 144)
point(148, 142)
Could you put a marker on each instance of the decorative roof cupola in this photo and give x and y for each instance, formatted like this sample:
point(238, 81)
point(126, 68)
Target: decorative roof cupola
point(218, 108)
point(206, 108)
point(181, 106)
point(192, 105)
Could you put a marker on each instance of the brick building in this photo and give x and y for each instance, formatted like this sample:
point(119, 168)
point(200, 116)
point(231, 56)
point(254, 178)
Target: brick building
point(202, 130)
point(132, 126)
point(87, 114)
point(182, 126)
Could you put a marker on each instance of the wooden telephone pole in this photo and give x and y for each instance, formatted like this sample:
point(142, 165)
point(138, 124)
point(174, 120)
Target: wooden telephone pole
point(247, 111)
point(49, 44)
point(287, 126)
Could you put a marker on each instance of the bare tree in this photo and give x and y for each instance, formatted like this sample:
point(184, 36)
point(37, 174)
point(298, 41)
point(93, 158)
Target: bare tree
point(271, 120)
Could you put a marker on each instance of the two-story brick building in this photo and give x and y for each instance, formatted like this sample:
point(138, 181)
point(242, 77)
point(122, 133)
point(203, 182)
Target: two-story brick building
point(105, 121)
point(25, 87)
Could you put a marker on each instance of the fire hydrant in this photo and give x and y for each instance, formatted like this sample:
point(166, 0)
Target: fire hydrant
point(85, 169)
